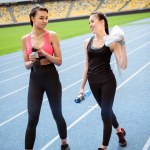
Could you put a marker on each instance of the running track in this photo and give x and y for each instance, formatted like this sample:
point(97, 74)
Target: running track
point(131, 106)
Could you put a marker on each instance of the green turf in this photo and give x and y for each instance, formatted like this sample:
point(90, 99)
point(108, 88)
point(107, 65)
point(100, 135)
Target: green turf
point(10, 36)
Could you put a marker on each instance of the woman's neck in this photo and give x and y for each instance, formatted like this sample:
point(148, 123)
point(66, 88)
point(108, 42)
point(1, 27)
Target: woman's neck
point(37, 32)
point(99, 36)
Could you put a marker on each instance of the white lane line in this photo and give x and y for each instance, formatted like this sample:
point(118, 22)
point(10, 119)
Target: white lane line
point(145, 44)
point(147, 145)
point(133, 75)
point(21, 113)
point(73, 55)
point(23, 65)
point(90, 110)
point(29, 72)
point(71, 66)
point(67, 42)
point(11, 68)
point(69, 127)
point(9, 57)
point(69, 49)
point(71, 85)
point(78, 64)
point(10, 62)
point(138, 37)
point(27, 86)
point(78, 54)
point(13, 92)
point(14, 77)
point(16, 116)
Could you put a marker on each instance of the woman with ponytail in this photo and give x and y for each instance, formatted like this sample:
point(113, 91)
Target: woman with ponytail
point(101, 79)
point(41, 52)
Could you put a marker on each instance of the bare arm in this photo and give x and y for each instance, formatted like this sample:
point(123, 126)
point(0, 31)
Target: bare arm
point(28, 62)
point(120, 54)
point(84, 76)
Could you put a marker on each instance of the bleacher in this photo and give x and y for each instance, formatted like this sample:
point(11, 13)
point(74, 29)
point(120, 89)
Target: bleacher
point(5, 17)
point(112, 6)
point(23, 15)
point(19, 12)
point(57, 9)
point(84, 7)
point(137, 4)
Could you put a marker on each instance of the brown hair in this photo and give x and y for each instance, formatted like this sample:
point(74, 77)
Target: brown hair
point(34, 10)
point(102, 16)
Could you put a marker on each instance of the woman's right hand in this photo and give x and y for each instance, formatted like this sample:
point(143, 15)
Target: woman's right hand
point(32, 57)
point(81, 91)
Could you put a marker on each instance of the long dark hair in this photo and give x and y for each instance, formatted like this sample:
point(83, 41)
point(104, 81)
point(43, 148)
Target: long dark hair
point(102, 16)
point(34, 10)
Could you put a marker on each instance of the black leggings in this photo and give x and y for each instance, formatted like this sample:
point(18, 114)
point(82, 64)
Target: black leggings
point(45, 79)
point(104, 93)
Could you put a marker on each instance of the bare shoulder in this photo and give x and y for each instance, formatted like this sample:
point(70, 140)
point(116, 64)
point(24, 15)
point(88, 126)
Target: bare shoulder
point(53, 36)
point(52, 33)
point(24, 37)
point(86, 42)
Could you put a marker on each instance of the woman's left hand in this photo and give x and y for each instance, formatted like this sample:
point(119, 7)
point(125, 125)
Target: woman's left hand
point(41, 51)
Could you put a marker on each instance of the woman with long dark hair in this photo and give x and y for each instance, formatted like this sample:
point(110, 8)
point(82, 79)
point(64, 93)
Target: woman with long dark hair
point(41, 52)
point(101, 79)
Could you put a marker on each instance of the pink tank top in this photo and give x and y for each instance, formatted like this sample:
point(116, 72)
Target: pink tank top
point(47, 47)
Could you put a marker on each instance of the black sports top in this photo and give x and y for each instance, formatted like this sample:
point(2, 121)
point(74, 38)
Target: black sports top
point(98, 62)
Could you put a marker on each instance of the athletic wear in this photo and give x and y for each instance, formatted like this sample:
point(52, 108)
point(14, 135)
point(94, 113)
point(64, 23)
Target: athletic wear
point(99, 63)
point(45, 79)
point(47, 47)
point(103, 85)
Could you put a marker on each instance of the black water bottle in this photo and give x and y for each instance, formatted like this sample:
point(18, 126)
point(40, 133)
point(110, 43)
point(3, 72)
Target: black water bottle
point(37, 62)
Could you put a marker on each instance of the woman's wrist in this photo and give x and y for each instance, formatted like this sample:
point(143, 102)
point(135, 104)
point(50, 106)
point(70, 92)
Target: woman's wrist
point(31, 62)
point(28, 64)
point(43, 52)
point(122, 42)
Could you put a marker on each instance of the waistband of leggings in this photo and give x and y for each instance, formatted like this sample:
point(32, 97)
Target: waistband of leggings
point(41, 68)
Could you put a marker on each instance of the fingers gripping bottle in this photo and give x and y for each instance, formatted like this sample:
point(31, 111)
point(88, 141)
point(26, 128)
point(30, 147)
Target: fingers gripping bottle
point(37, 62)
point(82, 97)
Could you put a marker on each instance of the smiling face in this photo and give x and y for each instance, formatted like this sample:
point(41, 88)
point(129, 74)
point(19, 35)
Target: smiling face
point(40, 19)
point(96, 25)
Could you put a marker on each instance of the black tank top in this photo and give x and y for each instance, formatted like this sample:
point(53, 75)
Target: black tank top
point(99, 63)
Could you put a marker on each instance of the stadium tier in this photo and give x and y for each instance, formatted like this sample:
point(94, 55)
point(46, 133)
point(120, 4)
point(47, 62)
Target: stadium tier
point(19, 11)
point(4, 15)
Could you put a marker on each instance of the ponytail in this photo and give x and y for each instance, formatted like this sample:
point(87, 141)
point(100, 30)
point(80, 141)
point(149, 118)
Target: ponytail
point(102, 16)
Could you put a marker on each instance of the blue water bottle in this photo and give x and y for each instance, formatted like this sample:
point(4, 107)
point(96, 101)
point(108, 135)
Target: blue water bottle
point(82, 97)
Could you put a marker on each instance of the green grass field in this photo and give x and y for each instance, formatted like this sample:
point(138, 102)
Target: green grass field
point(10, 36)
